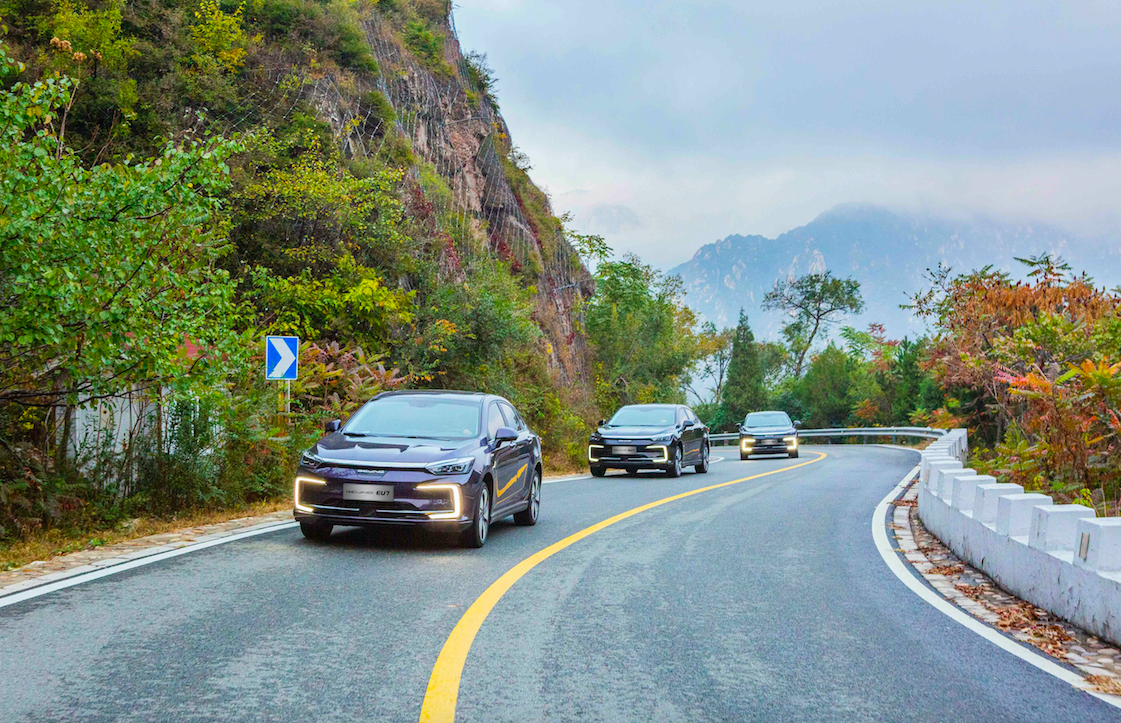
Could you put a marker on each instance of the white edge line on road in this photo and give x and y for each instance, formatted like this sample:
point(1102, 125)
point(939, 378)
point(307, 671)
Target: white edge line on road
point(896, 565)
point(50, 587)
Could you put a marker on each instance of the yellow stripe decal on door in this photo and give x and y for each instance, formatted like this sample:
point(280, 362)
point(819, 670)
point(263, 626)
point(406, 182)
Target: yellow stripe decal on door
point(513, 479)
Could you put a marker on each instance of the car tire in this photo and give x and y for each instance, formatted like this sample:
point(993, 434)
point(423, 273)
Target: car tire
point(793, 455)
point(674, 468)
point(632, 472)
point(744, 457)
point(528, 516)
point(476, 535)
point(599, 471)
point(318, 531)
point(702, 468)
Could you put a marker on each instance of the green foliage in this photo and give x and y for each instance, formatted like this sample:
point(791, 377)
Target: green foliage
point(645, 338)
point(814, 302)
point(219, 36)
point(825, 390)
point(481, 76)
point(426, 45)
point(108, 274)
point(744, 391)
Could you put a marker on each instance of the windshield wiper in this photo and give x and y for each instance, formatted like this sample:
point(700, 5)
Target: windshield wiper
point(356, 434)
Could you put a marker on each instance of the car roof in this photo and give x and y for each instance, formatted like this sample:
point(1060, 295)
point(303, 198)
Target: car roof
point(434, 392)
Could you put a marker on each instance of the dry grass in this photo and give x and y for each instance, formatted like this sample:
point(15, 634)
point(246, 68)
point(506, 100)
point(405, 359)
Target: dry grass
point(50, 543)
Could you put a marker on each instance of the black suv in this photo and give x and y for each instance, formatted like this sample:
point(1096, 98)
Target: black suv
point(446, 460)
point(649, 436)
point(768, 433)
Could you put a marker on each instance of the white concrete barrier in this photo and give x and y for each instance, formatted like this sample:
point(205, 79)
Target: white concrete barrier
point(941, 462)
point(1013, 512)
point(985, 499)
point(1099, 544)
point(1053, 526)
point(937, 475)
point(965, 483)
point(1059, 557)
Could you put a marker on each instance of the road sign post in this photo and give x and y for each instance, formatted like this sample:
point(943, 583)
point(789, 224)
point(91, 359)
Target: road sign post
point(282, 363)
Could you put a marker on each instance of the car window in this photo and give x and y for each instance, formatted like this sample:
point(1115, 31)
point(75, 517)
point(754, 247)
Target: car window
point(643, 415)
point(767, 419)
point(513, 419)
point(494, 420)
point(417, 415)
point(689, 414)
point(681, 416)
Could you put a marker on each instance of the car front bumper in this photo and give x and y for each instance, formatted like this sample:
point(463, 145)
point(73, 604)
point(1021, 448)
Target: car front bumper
point(645, 455)
point(768, 445)
point(419, 498)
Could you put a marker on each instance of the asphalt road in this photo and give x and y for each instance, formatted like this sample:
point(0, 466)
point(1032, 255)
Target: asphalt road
point(764, 600)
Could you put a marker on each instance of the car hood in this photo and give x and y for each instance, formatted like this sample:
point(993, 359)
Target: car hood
point(636, 432)
point(768, 430)
point(338, 447)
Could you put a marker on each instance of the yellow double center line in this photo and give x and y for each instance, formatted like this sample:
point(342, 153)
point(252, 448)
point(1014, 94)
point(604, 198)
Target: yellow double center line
point(443, 687)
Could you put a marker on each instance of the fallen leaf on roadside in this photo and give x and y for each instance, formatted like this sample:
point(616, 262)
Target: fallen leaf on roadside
point(947, 570)
point(1105, 684)
point(905, 503)
point(970, 591)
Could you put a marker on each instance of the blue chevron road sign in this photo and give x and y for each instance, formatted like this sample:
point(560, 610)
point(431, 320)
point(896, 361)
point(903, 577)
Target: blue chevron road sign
point(282, 354)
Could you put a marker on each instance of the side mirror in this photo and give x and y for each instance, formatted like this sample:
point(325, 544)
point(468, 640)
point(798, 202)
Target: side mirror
point(689, 424)
point(333, 426)
point(505, 434)
point(601, 422)
point(797, 423)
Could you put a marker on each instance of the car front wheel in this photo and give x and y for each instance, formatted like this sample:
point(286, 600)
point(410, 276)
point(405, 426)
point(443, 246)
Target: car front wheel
point(674, 469)
point(476, 534)
point(599, 471)
point(318, 531)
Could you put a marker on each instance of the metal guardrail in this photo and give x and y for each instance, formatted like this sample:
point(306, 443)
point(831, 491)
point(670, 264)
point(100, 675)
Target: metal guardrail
point(893, 432)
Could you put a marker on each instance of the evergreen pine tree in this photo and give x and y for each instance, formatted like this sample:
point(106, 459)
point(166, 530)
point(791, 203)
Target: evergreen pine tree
point(744, 391)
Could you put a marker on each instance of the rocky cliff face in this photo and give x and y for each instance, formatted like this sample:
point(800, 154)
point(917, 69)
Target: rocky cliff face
point(455, 131)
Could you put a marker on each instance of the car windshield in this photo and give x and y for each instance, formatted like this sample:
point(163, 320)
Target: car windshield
point(767, 419)
point(417, 415)
point(644, 416)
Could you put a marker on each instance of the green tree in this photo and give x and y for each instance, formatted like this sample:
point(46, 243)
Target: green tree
point(644, 336)
point(824, 391)
point(108, 276)
point(745, 390)
point(814, 302)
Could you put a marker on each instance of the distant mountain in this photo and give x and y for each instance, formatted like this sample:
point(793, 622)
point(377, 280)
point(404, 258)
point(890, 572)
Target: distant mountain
point(887, 251)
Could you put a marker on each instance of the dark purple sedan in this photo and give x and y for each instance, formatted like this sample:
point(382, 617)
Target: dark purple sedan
point(447, 460)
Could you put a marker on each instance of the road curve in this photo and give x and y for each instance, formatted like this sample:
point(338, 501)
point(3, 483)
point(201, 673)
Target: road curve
point(764, 600)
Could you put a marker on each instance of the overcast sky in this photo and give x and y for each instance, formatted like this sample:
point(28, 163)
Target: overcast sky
point(667, 124)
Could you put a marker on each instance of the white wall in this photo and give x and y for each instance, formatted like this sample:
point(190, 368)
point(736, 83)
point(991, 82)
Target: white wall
point(1069, 562)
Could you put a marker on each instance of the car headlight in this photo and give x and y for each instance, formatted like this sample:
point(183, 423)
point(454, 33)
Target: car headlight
point(451, 466)
point(305, 480)
point(311, 460)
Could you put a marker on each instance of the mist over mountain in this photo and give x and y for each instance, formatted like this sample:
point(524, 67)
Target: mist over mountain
point(888, 251)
